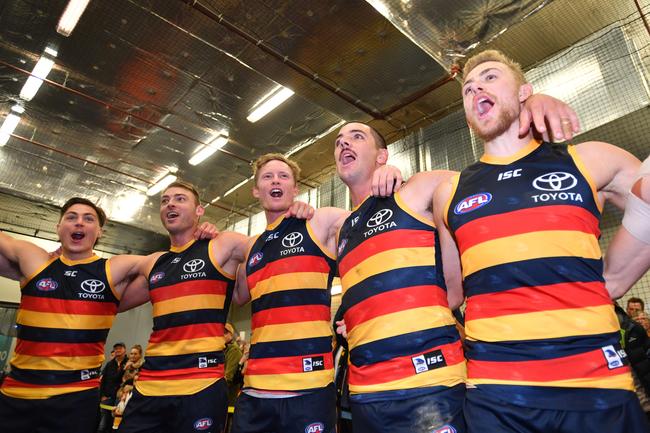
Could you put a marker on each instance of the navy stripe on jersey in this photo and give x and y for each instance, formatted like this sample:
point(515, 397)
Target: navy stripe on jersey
point(291, 348)
point(53, 377)
point(172, 362)
point(291, 298)
point(534, 272)
point(191, 317)
point(402, 345)
point(48, 335)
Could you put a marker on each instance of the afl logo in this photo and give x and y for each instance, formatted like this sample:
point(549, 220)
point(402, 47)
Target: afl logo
point(292, 240)
point(380, 217)
point(472, 203)
point(194, 265)
point(202, 424)
point(342, 245)
point(92, 286)
point(315, 427)
point(156, 277)
point(445, 429)
point(255, 258)
point(46, 285)
point(556, 181)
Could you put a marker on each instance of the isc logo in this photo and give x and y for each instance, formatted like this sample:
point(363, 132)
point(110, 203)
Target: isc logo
point(315, 427)
point(472, 203)
point(508, 174)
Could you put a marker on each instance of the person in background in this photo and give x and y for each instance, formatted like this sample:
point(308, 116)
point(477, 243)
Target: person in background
point(134, 363)
point(111, 381)
point(634, 307)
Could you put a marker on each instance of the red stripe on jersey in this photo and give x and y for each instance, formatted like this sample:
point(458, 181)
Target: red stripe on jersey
point(36, 348)
point(561, 217)
point(189, 288)
point(591, 364)
point(289, 265)
point(285, 365)
point(393, 302)
point(403, 238)
point(299, 313)
point(182, 373)
point(187, 332)
point(11, 382)
point(402, 367)
point(67, 306)
point(536, 299)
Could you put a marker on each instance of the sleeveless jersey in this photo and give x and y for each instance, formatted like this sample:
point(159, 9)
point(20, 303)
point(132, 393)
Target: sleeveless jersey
point(541, 328)
point(66, 310)
point(190, 294)
point(289, 274)
point(401, 333)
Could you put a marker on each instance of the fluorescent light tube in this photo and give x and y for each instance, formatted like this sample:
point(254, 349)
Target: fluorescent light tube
point(71, 16)
point(206, 151)
point(40, 71)
point(161, 184)
point(269, 103)
point(10, 123)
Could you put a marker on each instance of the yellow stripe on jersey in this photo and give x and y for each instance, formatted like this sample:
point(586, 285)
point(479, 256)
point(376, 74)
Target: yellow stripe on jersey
point(40, 393)
point(544, 324)
point(399, 323)
point(29, 278)
point(158, 388)
point(289, 381)
point(621, 381)
point(184, 347)
point(290, 281)
point(291, 331)
point(63, 321)
point(57, 363)
point(188, 303)
point(388, 260)
point(527, 246)
point(447, 376)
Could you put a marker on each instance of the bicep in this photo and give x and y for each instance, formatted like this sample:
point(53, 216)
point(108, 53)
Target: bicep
point(241, 294)
point(135, 294)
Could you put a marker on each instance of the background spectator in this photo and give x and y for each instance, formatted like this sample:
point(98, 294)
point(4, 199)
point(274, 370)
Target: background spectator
point(634, 307)
point(134, 363)
point(111, 381)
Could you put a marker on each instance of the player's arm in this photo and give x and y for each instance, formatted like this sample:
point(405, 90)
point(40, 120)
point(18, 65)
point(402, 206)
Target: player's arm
point(130, 275)
point(418, 191)
point(9, 269)
point(628, 255)
point(135, 294)
point(241, 293)
point(542, 110)
point(25, 255)
point(449, 252)
point(326, 224)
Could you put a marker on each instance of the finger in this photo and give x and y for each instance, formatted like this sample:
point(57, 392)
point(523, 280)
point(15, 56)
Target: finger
point(538, 120)
point(524, 121)
point(575, 121)
point(375, 183)
point(555, 125)
point(567, 128)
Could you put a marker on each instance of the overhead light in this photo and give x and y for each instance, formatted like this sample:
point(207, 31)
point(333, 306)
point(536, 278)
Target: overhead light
point(40, 71)
point(207, 150)
point(10, 123)
point(71, 16)
point(161, 184)
point(269, 103)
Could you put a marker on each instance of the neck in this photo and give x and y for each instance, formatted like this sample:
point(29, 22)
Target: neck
point(120, 358)
point(182, 238)
point(508, 143)
point(74, 256)
point(273, 215)
point(360, 190)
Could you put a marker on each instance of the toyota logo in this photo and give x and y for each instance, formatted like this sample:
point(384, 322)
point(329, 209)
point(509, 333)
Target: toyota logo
point(556, 181)
point(380, 217)
point(92, 286)
point(292, 240)
point(194, 265)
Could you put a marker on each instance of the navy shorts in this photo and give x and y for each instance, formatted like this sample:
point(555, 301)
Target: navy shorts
point(204, 411)
point(488, 415)
point(314, 412)
point(74, 412)
point(435, 412)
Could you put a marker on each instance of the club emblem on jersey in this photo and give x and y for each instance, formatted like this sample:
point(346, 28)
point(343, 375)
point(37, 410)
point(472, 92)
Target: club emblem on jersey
point(202, 424)
point(292, 240)
point(255, 258)
point(46, 285)
point(556, 181)
point(379, 218)
point(315, 427)
point(194, 265)
point(342, 245)
point(445, 429)
point(156, 277)
point(473, 202)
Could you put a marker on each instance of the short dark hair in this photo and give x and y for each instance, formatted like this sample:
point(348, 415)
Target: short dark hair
point(188, 186)
point(638, 301)
point(120, 344)
point(80, 200)
point(380, 141)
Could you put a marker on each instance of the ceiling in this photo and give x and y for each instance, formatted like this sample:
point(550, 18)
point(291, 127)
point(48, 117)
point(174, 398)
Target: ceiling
point(140, 85)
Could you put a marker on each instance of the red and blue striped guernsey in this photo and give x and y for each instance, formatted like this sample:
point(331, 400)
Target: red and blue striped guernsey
point(541, 328)
point(401, 333)
point(66, 310)
point(191, 295)
point(289, 274)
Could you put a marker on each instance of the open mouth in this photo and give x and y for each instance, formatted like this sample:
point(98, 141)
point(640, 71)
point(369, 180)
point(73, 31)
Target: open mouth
point(276, 193)
point(77, 236)
point(171, 215)
point(347, 157)
point(483, 104)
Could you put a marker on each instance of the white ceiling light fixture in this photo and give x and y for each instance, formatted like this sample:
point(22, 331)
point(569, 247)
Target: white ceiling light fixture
point(10, 123)
point(269, 103)
point(70, 16)
point(207, 150)
point(161, 184)
point(40, 71)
